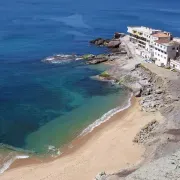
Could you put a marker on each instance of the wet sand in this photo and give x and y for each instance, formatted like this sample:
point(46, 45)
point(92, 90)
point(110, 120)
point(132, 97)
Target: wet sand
point(108, 148)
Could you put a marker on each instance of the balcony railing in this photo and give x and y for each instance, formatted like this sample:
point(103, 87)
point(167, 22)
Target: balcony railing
point(138, 37)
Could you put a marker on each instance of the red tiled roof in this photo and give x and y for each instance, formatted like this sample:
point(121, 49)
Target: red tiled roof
point(160, 34)
point(162, 41)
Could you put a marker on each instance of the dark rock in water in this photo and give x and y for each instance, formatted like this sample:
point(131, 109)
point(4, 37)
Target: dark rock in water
point(95, 40)
point(118, 35)
point(97, 60)
point(114, 43)
point(100, 42)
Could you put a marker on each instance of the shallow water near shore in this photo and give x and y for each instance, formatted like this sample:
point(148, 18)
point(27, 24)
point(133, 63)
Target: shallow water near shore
point(52, 106)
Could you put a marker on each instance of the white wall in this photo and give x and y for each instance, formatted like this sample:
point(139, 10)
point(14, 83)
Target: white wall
point(175, 64)
point(161, 56)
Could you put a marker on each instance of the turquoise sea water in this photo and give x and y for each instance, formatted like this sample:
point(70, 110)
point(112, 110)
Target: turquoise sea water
point(45, 105)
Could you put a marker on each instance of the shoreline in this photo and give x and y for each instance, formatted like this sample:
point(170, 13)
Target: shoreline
point(77, 142)
point(110, 131)
point(17, 162)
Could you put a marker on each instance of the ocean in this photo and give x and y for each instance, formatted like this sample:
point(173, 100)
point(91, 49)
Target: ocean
point(44, 106)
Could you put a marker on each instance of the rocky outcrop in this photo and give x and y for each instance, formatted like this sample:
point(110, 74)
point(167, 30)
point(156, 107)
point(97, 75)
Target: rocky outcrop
point(100, 42)
point(118, 35)
point(93, 59)
point(150, 87)
point(145, 132)
point(100, 176)
point(110, 43)
point(115, 43)
point(138, 93)
point(96, 59)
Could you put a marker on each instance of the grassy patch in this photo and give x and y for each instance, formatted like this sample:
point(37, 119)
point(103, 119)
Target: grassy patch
point(105, 74)
point(87, 56)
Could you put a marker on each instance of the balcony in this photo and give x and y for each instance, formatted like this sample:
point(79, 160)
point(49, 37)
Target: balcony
point(138, 37)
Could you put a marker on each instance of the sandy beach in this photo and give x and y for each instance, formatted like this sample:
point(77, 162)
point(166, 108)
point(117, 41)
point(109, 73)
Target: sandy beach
point(108, 148)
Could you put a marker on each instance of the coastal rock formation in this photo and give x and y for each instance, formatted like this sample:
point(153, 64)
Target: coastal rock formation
point(110, 43)
point(92, 59)
point(118, 35)
point(144, 134)
point(115, 43)
point(100, 42)
point(97, 59)
point(100, 176)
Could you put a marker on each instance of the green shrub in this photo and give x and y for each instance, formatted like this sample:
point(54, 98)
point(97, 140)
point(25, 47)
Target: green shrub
point(105, 74)
point(87, 56)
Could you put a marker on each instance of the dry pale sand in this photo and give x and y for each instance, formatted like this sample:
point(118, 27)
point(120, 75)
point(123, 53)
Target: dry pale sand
point(108, 148)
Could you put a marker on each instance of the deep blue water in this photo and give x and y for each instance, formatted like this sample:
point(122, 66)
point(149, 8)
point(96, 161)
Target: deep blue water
point(32, 94)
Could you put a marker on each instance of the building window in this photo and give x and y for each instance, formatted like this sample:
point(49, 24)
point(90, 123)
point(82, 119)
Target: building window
point(173, 48)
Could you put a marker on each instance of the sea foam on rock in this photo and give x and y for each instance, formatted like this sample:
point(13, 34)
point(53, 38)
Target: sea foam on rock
point(61, 58)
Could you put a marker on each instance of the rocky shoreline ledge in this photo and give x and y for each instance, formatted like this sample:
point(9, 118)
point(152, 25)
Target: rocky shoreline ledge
point(158, 89)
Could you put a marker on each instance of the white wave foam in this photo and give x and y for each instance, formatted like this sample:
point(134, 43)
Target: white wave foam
point(105, 117)
point(50, 147)
point(7, 164)
point(61, 59)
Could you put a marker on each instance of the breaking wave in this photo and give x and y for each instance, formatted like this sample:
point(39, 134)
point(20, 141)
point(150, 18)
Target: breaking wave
point(106, 117)
point(8, 163)
point(61, 59)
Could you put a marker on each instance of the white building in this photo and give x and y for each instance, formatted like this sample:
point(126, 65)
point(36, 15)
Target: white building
point(175, 64)
point(154, 44)
point(141, 35)
point(164, 50)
